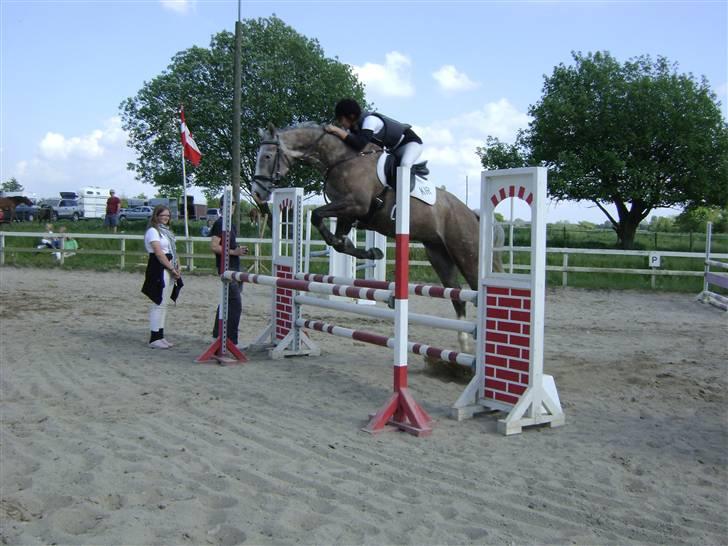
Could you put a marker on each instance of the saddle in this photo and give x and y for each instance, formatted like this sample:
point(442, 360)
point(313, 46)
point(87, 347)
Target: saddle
point(390, 170)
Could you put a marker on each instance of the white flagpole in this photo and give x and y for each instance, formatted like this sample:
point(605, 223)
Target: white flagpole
point(184, 193)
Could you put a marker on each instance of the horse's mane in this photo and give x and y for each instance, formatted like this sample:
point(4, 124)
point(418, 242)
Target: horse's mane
point(303, 125)
point(314, 125)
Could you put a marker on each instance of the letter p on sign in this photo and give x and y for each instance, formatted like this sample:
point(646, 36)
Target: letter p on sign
point(654, 260)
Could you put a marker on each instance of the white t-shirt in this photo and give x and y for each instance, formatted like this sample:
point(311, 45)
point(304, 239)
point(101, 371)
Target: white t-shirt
point(373, 123)
point(153, 235)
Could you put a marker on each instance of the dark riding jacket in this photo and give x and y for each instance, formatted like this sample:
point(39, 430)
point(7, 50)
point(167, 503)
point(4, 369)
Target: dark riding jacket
point(393, 135)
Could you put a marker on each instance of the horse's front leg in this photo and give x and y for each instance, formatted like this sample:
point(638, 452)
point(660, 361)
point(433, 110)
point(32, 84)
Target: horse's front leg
point(341, 210)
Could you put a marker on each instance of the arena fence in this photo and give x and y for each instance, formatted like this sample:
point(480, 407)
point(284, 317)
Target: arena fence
point(196, 256)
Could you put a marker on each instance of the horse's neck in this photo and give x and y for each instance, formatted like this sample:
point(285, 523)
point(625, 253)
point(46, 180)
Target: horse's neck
point(326, 149)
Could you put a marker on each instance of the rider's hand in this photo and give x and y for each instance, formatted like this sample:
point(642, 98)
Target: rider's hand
point(334, 130)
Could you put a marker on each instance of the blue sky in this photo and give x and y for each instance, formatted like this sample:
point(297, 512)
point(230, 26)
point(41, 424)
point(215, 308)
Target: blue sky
point(457, 71)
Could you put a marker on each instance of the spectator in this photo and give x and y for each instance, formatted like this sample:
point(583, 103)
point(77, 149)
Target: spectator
point(66, 243)
point(113, 206)
point(162, 279)
point(49, 241)
point(205, 230)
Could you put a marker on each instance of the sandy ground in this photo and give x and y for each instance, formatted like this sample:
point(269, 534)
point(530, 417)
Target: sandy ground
point(105, 441)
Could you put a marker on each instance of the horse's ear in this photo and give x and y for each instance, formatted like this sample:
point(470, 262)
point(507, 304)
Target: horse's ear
point(271, 128)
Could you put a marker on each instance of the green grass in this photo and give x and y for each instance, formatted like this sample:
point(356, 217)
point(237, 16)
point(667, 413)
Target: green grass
point(20, 252)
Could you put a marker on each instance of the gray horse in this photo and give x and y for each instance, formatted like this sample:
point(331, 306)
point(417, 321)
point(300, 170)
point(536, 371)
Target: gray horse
point(448, 229)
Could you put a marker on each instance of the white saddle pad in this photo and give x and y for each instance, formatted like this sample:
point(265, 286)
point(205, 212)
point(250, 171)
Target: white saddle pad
point(424, 190)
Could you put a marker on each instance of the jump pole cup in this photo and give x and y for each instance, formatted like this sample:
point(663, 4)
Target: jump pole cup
point(401, 411)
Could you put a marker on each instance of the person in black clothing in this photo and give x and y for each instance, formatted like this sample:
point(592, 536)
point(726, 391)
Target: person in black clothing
point(359, 129)
point(235, 306)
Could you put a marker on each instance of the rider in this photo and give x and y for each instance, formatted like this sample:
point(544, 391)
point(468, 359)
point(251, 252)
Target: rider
point(397, 138)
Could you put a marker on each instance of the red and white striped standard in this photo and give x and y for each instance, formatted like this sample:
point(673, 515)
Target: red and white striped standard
point(427, 290)
point(218, 351)
point(401, 410)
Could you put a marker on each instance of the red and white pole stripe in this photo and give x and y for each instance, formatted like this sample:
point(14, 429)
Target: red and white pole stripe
point(315, 287)
point(401, 277)
point(428, 290)
point(384, 341)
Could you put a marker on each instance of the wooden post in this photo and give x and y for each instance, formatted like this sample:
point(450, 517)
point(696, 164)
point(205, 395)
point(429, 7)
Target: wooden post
point(564, 273)
point(122, 258)
point(2, 249)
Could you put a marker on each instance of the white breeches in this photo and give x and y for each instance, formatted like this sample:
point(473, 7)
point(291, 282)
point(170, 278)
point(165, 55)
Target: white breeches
point(158, 313)
point(410, 154)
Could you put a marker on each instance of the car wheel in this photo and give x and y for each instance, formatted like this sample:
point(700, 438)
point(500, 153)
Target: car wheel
point(54, 216)
point(122, 219)
point(30, 218)
point(75, 217)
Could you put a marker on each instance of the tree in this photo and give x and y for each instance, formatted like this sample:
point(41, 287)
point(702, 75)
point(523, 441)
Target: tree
point(637, 135)
point(661, 224)
point(12, 185)
point(499, 155)
point(286, 78)
point(695, 219)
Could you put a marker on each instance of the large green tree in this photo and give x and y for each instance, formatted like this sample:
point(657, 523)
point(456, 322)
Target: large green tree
point(286, 78)
point(12, 184)
point(638, 135)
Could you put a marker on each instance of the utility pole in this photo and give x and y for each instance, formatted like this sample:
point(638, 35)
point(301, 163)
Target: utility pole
point(236, 118)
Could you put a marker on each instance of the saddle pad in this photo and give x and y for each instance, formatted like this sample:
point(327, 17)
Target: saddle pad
point(424, 190)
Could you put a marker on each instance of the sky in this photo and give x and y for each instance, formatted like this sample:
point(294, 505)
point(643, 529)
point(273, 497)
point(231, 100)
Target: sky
point(458, 71)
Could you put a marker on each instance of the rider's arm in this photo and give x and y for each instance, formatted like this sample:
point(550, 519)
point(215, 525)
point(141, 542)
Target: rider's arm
point(359, 140)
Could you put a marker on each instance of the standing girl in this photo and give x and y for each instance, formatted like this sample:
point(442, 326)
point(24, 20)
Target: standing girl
point(162, 280)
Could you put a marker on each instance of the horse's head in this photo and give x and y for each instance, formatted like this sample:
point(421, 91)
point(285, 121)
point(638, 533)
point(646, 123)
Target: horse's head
point(26, 201)
point(278, 151)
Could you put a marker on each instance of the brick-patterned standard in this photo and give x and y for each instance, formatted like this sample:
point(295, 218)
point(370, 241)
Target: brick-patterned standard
point(507, 343)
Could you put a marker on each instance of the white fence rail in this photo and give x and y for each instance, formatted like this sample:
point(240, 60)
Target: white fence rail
point(197, 248)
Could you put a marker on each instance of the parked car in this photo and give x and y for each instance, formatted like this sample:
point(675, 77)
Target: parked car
point(137, 213)
point(28, 213)
point(213, 214)
point(64, 208)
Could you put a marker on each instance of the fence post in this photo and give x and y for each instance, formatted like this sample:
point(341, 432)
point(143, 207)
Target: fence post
point(655, 240)
point(564, 273)
point(122, 257)
point(2, 249)
point(691, 242)
point(192, 253)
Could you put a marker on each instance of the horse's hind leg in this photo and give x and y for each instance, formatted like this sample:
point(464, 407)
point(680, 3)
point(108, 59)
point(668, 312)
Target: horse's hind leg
point(447, 271)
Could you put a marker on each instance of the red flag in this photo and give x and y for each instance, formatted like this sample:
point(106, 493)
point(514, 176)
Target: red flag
point(191, 151)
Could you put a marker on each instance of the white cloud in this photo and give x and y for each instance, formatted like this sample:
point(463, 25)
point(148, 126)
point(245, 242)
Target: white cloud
point(391, 79)
point(450, 144)
point(67, 163)
point(58, 146)
point(450, 79)
point(182, 7)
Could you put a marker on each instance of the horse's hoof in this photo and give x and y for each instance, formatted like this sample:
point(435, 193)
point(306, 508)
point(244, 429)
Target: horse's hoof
point(375, 254)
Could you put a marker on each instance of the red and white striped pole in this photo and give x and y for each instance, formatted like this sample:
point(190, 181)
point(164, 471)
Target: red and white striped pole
point(401, 410)
point(222, 350)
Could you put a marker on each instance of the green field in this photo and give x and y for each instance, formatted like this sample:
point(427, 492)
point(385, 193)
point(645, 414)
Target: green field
point(105, 254)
